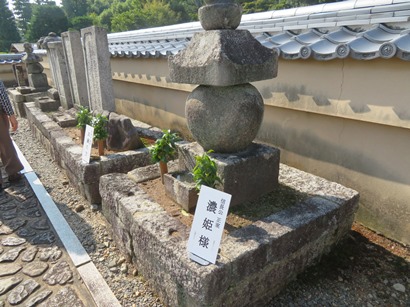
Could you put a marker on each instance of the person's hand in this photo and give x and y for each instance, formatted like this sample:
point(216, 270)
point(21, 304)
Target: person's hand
point(13, 122)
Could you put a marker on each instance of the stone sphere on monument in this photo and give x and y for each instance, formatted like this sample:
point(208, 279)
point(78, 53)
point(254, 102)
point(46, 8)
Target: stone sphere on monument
point(224, 119)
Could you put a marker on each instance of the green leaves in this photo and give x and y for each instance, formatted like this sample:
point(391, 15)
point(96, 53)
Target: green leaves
point(164, 148)
point(84, 117)
point(100, 127)
point(205, 171)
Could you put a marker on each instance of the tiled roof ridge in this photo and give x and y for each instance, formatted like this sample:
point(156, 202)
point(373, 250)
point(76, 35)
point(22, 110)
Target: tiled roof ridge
point(361, 29)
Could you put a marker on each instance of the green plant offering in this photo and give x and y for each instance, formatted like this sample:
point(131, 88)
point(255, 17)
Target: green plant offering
point(205, 171)
point(99, 123)
point(164, 148)
point(84, 117)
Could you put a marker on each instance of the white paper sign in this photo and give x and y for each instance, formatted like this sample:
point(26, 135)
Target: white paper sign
point(208, 225)
point(88, 143)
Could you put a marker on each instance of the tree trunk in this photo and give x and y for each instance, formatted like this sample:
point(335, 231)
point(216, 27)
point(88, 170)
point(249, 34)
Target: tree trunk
point(163, 168)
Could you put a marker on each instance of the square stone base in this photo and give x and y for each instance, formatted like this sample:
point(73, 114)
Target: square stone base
point(254, 263)
point(246, 175)
point(47, 104)
point(38, 81)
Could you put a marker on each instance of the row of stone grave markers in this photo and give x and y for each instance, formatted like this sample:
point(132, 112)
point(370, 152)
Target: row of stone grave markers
point(81, 71)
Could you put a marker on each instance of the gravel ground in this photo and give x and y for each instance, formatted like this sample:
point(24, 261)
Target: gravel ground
point(364, 270)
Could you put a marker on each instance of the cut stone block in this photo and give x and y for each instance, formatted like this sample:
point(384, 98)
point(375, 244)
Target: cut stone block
point(46, 104)
point(65, 119)
point(227, 57)
point(85, 177)
point(38, 81)
point(246, 175)
point(180, 187)
point(254, 262)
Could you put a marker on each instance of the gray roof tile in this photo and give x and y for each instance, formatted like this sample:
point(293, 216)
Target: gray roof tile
point(324, 32)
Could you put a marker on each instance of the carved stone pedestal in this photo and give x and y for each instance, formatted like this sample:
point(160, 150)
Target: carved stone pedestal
point(246, 175)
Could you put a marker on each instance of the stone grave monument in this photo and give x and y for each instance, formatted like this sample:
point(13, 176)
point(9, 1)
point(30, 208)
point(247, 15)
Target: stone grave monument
point(73, 52)
point(98, 69)
point(36, 78)
point(225, 111)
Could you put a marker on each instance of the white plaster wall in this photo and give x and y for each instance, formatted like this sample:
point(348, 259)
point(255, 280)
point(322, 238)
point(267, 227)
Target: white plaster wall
point(345, 120)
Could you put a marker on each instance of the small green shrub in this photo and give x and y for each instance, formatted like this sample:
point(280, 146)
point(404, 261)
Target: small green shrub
point(205, 171)
point(99, 123)
point(84, 117)
point(164, 148)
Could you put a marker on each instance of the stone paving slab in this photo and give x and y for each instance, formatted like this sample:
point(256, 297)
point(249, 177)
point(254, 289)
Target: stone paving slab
point(42, 263)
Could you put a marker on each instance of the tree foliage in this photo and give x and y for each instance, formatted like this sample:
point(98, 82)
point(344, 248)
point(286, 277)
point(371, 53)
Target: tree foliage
point(124, 15)
point(151, 14)
point(8, 33)
point(22, 12)
point(81, 22)
point(45, 19)
point(75, 8)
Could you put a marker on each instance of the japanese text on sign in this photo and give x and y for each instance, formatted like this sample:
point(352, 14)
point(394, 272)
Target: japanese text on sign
point(209, 221)
point(88, 143)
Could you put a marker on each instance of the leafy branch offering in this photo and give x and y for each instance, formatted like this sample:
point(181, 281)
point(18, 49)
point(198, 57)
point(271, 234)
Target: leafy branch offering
point(205, 171)
point(84, 117)
point(100, 127)
point(164, 148)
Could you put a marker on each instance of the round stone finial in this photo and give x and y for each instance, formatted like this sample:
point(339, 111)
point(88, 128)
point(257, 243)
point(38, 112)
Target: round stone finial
point(219, 15)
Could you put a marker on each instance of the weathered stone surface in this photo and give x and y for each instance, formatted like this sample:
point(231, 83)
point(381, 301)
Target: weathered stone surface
point(25, 232)
point(47, 104)
point(29, 254)
point(38, 298)
point(58, 65)
point(245, 175)
point(16, 96)
point(28, 204)
point(38, 82)
point(40, 224)
point(12, 254)
point(75, 60)
point(224, 119)
point(51, 254)
point(9, 215)
point(122, 135)
point(1, 250)
point(65, 119)
point(44, 238)
point(8, 206)
point(7, 283)
point(60, 274)
point(180, 187)
point(12, 241)
point(64, 297)
point(53, 94)
point(98, 69)
point(255, 262)
point(35, 269)
point(22, 291)
point(32, 213)
point(227, 57)
point(9, 269)
point(12, 226)
point(220, 16)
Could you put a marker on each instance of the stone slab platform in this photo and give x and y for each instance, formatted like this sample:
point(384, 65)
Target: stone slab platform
point(85, 177)
point(254, 263)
